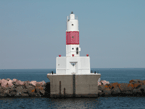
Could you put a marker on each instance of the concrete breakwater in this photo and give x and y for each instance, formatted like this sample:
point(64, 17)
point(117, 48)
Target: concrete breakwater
point(18, 88)
point(133, 88)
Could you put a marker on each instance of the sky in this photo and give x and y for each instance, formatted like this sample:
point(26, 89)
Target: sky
point(32, 33)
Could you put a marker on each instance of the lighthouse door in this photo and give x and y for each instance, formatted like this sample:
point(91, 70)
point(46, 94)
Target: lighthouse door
point(74, 67)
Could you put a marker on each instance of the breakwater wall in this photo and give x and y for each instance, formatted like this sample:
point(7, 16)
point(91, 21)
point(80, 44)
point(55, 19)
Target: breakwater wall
point(133, 88)
point(18, 88)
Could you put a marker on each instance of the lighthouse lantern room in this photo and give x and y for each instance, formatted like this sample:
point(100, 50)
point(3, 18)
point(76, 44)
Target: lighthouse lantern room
point(73, 63)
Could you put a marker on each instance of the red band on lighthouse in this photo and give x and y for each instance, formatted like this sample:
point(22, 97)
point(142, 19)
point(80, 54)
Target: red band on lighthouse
point(72, 37)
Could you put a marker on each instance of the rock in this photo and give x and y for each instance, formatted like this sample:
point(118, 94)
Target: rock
point(8, 79)
point(4, 83)
point(108, 86)
point(137, 85)
point(99, 83)
point(114, 85)
point(137, 92)
point(19, 88)
point(12, 92)
point(107, 92)
point(19, 91)
point(25, 95)
point(143, 82)
point(1, 92)
point(100, 94)
point(135, 81)
point(38, 84)
point(14, 80)
point(10, 84)
point(130, 87)
point(42, 92)
point(125, 87)
point(31, 91)
point(101, 87)
point(33, 83)
point(47, 89)
point(26, 84)
point(142, 88)
point(0, 81)
point(6, 92)
point(42, 82)
point(115, 91)
point(127, 93)
point(104, 82)
point(18, 82)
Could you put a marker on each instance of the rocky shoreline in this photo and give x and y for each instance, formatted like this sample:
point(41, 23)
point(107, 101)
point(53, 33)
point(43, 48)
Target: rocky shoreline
point(18, 88)
point(133, 88)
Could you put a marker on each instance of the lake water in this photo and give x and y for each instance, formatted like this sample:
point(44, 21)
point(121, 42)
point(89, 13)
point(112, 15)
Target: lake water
point(121, 75)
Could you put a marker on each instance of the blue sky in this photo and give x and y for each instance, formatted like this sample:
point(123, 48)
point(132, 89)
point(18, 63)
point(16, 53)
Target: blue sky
point(32, 33)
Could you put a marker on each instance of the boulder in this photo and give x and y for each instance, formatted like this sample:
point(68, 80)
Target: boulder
point(99, 83)
point(0, 81)
point(14, 80)
point(143, 82)
point(107, 92)
point(12, 91)
point(33, 83)
point(142, 88)
point(114, 85)
point(100, 94)
point(25, 95)
point(136, 85)
point(8, 79)
point(101, 87)
point(4, 83)
point(18, 82)
point(135, 81)
point(115, 91)
point(40, 91)
point(19, 90)
point(137, 92)
point(1, 92)
point(31, 91)
point(130, 87)
point(104, 82)
point(42, 83)
point(6, 92)
point(10, 83)
point(127, 93)
point(26, 84)
point(125, 87)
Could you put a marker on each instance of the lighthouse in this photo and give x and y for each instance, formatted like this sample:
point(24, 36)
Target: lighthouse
point(72, 63)
point(73, 77)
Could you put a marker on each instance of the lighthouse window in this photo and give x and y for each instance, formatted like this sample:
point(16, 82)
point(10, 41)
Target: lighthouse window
point(72, 48)
point(77, 52)
point(72, 24)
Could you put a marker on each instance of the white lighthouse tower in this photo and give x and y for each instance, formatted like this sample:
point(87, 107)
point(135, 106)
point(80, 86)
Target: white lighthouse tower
point(73, 77)
point(73, 63)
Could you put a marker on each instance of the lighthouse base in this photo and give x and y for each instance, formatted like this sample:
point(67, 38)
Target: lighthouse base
point(79, 85)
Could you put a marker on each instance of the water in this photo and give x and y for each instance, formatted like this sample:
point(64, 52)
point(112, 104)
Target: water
point(112, 75)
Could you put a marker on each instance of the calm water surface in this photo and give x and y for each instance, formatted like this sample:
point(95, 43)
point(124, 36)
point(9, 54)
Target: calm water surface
point(112, 75)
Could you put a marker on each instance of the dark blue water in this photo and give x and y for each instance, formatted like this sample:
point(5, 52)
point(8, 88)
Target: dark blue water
point(112, 75)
